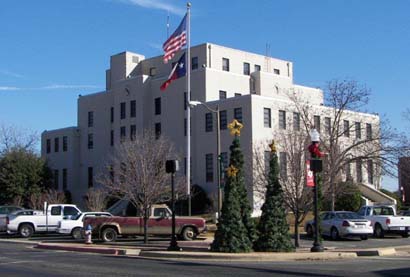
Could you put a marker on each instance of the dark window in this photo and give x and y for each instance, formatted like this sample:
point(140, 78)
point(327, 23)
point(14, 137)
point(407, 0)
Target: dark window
point(64, 144)
point(64, 179)
point(283, 165)
point(276, 71)
point(237, 94)
point(112, 173)
point(267, 118)
point(369, 133)
point(185, 128)
point(225, 64)
point(90, 119)
point(246, 69)
point(112, 114)
point(222, 94)
point(316, 121)
point(56, 210)
point(56, 178)
point(359, 175)
point(257, 67)
point(152, 71)
point(48, 145)
point(346, 131)
point(327, 125)
point(296, 121)
point(90, 177)
point(224, 164)
point(122, 110)
point(282, 120)
point(133, 111)
point(133, 132)
point(370, 172)
point(194, 63)
point(123, 133)
point(70, 211)
point(158, 130)
point(56, 144)
point(157, 105)
point(237, 114)
point(209, 167)
point(208, 122)
point(112, 138)
point(223, 120)
point(358, 129)
point(185, 101)
point(90, 143)
point(348, 172)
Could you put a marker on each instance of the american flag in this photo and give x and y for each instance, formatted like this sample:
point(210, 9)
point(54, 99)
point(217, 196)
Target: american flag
point(175, 41)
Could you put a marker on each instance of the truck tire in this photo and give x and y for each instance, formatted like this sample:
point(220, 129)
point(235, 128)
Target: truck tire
point(26, 230)
point(188, 233)
point(364, 237)
point(378, 231)
point(77, 233)
point(334, 234)
point(405, 235)
point(109, 235)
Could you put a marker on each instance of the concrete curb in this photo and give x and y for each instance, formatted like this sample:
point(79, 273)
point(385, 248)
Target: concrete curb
point(376, 252)
point(90, 249)
point(19, 241)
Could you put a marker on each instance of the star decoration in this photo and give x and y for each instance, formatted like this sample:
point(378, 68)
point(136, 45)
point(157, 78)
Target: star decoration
point(232, 171)
point(272, 147)
point(235, 127)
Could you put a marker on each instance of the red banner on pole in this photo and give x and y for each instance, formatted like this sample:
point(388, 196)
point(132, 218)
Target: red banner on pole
point(310, 182)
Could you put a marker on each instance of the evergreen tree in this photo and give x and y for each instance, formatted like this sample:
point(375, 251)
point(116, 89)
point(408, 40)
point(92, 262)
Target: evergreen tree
point(273, 228)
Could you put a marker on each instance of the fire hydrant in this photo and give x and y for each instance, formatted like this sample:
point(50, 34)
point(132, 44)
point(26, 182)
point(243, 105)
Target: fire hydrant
point(87, 234)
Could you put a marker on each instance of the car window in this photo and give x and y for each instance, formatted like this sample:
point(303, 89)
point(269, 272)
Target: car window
point(70, 211)
point(56, 210)
point(324, 216)
point(387, 211)
point(160, 212)
point(361, 211)
point(348, 216)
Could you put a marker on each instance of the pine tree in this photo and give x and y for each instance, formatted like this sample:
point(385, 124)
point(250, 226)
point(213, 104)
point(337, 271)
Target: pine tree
point(273, 228)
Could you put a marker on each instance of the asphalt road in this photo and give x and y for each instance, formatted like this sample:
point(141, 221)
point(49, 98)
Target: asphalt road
point(23, 260)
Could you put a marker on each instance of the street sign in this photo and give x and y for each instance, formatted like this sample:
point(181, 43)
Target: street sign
point(310, 182)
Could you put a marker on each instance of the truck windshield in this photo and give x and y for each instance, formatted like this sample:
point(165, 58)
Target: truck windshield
point(383, 211)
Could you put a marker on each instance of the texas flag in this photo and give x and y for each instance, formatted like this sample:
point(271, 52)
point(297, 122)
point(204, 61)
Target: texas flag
point(178, 71)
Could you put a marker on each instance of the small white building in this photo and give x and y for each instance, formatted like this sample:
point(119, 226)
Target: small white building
point(250, 87)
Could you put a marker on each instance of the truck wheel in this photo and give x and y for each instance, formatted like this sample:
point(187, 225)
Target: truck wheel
point(26, 230)
point(77, 233)
point(405, 235)
point(364, 237)
point(378, 231)
point(188, 233)
point(109, 235)
point(334, 234)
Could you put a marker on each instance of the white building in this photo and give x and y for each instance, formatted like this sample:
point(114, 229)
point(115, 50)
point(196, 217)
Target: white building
point(250, 87)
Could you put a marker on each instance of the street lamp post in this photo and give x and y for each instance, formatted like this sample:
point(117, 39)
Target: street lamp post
point(218, 150)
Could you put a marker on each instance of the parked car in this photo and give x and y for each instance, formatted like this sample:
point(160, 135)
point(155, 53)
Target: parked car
point(384, 220)
point(74, 226)
point(159, 223)
point(4, 212)
point(341, 224)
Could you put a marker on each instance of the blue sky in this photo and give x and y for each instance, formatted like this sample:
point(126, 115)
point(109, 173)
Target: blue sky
point(53, 50)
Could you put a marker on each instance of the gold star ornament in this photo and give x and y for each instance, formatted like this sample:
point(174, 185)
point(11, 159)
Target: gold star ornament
point(235, 127)
point(232, 171)
point(272, 147)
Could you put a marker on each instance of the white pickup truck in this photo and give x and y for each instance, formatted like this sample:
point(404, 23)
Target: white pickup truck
point(384, 220)
point(45, 221)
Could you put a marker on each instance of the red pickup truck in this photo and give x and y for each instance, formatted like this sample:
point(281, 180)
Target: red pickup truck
point(159, 223)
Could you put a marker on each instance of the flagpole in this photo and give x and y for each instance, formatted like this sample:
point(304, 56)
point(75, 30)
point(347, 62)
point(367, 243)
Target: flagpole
point(188, 109)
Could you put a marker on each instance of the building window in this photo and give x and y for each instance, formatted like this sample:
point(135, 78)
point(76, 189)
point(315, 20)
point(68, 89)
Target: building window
point(133, 108)
point(369, 133)
point(123, 133)
point(56, 144)
point(65, 144)
point(112, 138)
point(296, 121)
point(348, 172)
point(194, 63)
point(346, 131)
point(282, 120)
point(358, 130)
point(185, 101)
point(90, 143)
point(158, 105)
point(112, 173)
point(283, 163)
point(225, 64)
point(90, 119)
point(237, 114)
point(316, 121)
point(222, 94)
point(48, 145)
point(64, 179)
point(267, 118)
point(208, 122)
point(223, 164)
point(223, 120)
point(112, 114)
point(237, 94)
point(370, 178)
point(122, 110)
point(133, 132)
point(246, 69)
point(56, 177)
point(152, 71)
point(276, 71)
point(90, 177)
point(327, 125)
point(257, 67)
point(158, 130)
point(359, 175)
point(209, 167)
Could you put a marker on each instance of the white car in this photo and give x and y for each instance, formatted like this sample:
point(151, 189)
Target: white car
point(74, 226)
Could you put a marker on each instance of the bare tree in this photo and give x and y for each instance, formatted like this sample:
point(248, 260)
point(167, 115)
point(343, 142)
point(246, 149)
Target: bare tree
point(53, 196)
point(136, 172)
point(12, 137)
point(96, 199)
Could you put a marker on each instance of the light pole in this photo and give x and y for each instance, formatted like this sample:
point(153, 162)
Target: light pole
point(316, 167)
point(218, 150)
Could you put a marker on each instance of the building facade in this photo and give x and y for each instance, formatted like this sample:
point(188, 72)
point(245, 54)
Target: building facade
point(252, 88)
